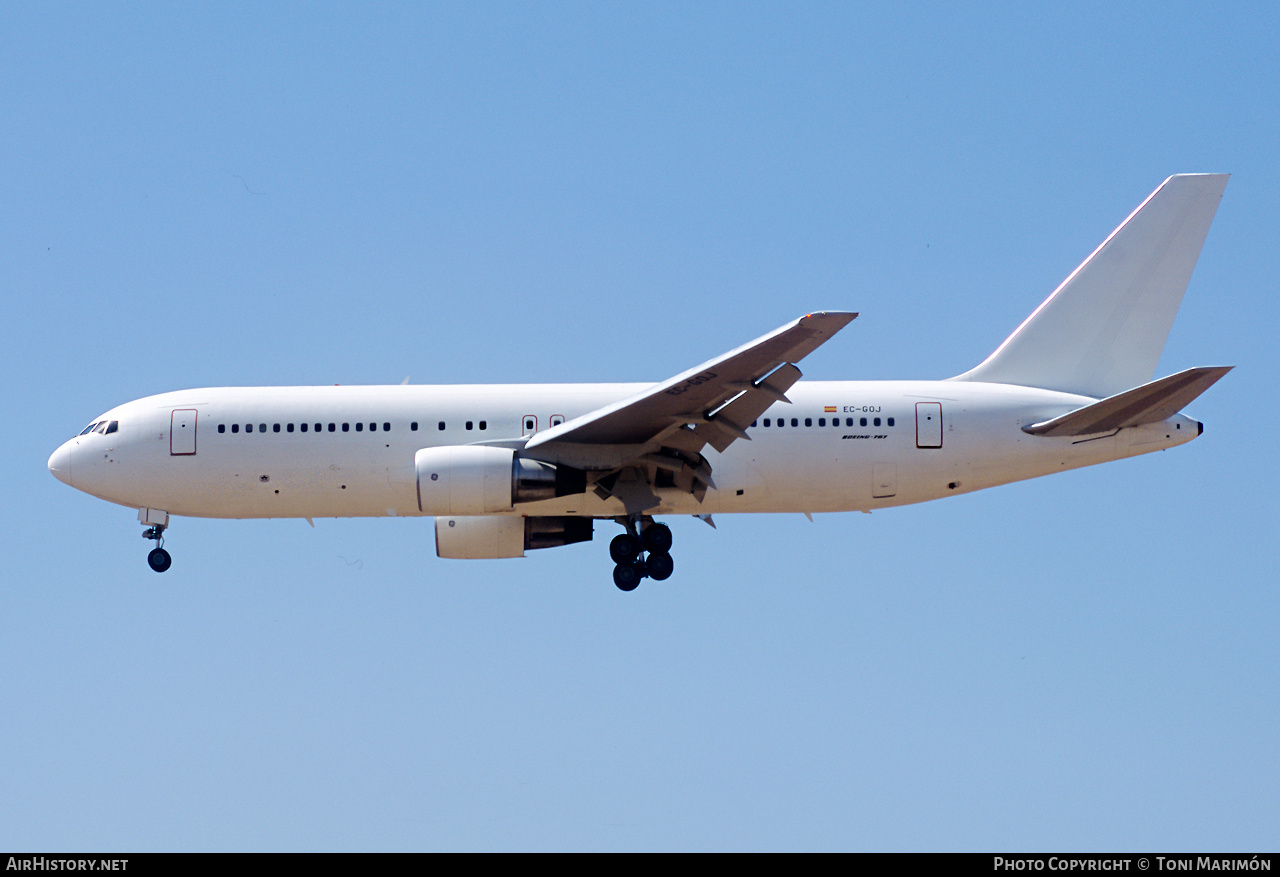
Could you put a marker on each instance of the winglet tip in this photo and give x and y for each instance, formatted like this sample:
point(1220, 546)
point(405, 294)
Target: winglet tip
point(848, 315)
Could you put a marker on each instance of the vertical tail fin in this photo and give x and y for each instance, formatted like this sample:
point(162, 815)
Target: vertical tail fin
point(1102, 331)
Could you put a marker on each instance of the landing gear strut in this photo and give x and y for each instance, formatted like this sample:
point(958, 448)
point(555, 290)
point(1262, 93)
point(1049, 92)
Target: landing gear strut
point(641, 553)
point(158, 558)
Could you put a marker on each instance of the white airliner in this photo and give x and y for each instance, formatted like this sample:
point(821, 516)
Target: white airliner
point(508, 468)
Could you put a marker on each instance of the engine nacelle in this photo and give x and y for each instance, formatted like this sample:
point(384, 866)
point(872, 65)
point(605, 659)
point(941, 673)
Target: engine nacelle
point(477, 538)
point(482, 480)
point(465, 480)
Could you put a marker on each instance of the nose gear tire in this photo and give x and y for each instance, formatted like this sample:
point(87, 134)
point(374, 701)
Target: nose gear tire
point(159, 559)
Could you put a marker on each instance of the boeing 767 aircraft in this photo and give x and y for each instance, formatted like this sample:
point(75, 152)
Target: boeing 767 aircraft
point(508, 468)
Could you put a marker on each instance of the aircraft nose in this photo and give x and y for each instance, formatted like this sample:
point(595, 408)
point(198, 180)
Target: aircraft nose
point(60, 463)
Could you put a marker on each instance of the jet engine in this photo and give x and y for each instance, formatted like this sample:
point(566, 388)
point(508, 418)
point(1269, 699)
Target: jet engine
point(476, 538)
point(482, 480)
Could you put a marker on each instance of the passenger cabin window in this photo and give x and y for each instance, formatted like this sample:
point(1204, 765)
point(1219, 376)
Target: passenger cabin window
point(106, 427)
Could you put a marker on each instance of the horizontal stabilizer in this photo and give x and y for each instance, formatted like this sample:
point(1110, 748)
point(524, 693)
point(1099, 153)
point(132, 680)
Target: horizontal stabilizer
point(1150, 403)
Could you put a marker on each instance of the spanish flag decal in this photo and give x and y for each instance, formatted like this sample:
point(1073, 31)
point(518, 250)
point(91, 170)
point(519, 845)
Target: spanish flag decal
point(829, 409)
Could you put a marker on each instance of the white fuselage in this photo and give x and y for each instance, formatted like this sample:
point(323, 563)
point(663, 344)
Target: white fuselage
point(856, 445)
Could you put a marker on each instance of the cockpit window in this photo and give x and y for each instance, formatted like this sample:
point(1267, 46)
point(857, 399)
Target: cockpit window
point(111, 427)
point(88, 429)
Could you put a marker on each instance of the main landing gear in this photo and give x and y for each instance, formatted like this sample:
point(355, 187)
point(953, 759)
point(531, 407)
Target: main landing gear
point(641, 553)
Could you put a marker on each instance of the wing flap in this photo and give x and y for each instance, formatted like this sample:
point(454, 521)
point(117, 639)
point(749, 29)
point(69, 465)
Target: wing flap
point(730, 421)
point(1150, 403)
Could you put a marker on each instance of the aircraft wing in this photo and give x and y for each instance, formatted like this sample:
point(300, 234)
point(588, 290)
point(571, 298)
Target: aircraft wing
point(710, 404)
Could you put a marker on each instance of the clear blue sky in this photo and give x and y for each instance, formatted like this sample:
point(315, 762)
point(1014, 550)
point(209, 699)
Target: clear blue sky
point(215, 194)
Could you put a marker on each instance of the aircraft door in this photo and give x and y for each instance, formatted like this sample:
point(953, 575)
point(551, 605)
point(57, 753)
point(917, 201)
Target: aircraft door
point(529, 424)
point(884, 480)
point(182, 432)
point(928, 424)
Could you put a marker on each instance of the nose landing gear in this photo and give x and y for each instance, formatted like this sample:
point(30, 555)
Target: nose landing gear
point(641, 553)
point(158, 559)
